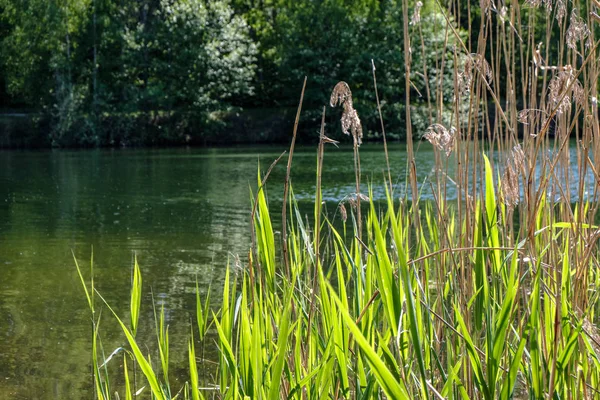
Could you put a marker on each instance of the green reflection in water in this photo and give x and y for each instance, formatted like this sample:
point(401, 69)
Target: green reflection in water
point(182, 211)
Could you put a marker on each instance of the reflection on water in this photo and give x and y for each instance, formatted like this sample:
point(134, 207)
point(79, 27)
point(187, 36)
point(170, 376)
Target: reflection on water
point(183, 212)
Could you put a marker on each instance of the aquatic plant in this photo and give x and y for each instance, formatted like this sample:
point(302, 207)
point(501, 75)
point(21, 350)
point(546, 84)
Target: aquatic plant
point(494, 295)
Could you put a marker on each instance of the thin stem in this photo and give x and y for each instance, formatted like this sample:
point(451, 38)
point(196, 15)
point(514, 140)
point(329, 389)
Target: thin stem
point(286, 185)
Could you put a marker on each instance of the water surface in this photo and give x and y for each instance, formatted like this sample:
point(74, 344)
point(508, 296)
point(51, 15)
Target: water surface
point(183, 212)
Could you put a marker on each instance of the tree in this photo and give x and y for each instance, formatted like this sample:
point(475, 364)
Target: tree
point(206, 55)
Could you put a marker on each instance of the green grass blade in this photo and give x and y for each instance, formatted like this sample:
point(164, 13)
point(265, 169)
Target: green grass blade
point(136, 296)
point(85, 289)
point(280, 356)
point(193, 368)
point(392, 388)
point(139, 357)
point(126, 374)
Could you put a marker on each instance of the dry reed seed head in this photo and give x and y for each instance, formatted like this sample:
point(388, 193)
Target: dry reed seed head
point(562, 88)
point(578, 92)
point(341, 92)
point(352, 201)
point(351, 123)
point(342, 95)
point(561, 10)
point(510, 186)
point(517, 157)
point(578, 30)
point(353, 198)
point(343, 212)
point(463, 83)
point(533, 3)
point(440, 137)
point(527, 114)
point(416, 17)
point(548, 4)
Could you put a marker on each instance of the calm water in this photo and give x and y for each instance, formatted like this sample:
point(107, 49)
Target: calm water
point(184, 212)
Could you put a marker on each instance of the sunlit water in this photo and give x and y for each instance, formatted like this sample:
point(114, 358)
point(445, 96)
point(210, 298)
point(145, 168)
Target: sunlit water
point(184, 212)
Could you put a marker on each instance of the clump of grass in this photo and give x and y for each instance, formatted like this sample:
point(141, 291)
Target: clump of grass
point(493, 295)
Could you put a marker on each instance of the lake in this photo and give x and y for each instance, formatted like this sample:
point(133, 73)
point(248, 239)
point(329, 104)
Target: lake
point(183, 212)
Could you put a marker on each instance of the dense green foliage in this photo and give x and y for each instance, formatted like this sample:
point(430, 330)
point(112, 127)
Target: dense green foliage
point(127, 72)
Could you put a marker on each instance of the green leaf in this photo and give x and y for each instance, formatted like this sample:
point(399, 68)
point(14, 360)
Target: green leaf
point(392, 388)
point(139, 357)
point(136, 296)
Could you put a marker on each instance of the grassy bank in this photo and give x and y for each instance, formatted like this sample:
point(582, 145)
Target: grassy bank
point(493, 296)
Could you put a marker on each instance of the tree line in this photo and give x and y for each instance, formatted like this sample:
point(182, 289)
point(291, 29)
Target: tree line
point(153, 72)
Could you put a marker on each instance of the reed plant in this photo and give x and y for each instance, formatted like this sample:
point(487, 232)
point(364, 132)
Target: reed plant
point(492, 295)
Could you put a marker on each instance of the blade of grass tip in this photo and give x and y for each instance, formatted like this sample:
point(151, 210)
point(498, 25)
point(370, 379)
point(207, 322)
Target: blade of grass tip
point(255, 204)
point(139, 356)
point(87, 294)
point(136, 296)
point(200, 315)
point(492, 214)
point(92, 278)
point(163, 345)
point(92, 290)
point(393, 389)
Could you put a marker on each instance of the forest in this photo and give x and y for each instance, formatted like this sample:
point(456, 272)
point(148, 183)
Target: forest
point(90, 73)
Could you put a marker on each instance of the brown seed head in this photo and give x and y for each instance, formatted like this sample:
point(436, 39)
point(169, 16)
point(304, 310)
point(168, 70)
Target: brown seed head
point(510, 186)
point(341, 95)
point(533, 3)
point(578, 30)
point(440, 137)
point(517, 158)
point(341, 92)
point(562, 88)
point(416, 17)
point(561, 9)
point(343, 212)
